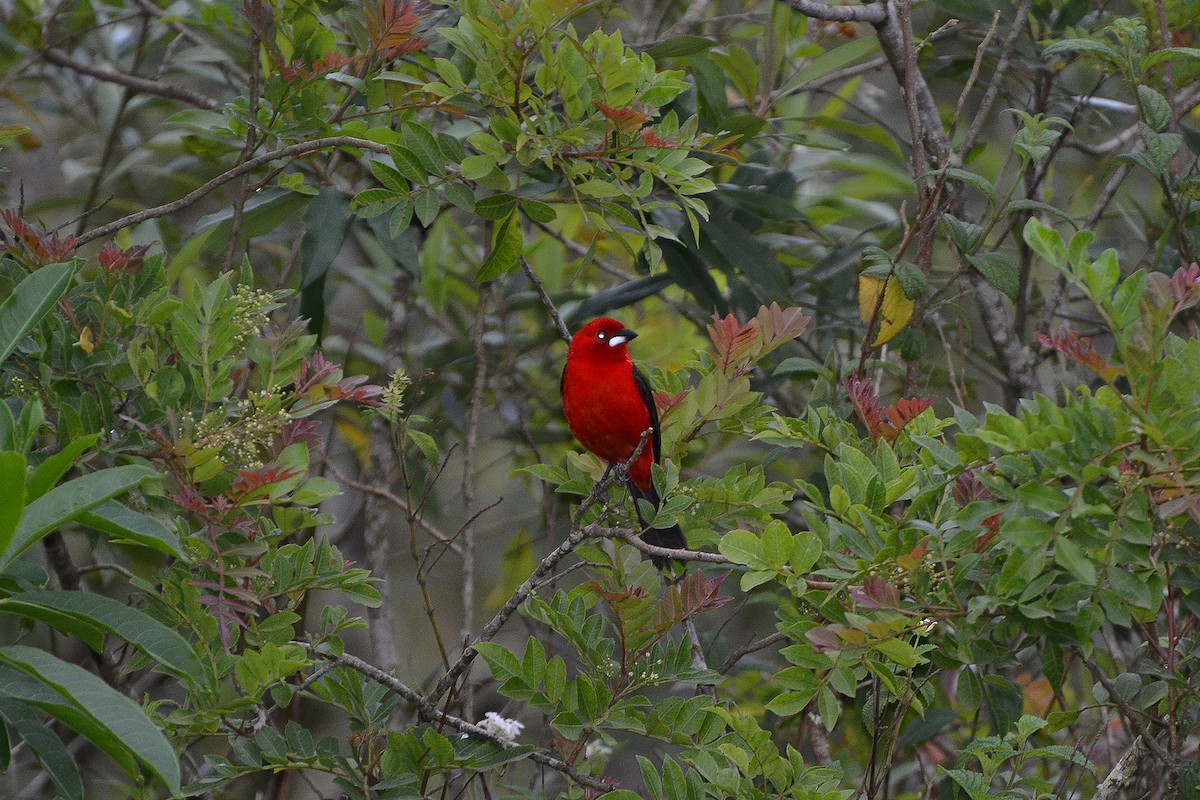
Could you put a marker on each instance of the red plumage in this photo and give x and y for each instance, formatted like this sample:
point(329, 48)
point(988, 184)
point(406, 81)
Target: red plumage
point(609, 405)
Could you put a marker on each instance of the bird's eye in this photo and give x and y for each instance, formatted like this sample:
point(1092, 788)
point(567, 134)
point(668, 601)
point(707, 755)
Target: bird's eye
point(601, 335)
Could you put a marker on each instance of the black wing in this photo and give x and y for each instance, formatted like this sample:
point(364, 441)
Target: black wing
point(643, 387)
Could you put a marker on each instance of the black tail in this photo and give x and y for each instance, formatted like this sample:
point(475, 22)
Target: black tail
point(671, 537)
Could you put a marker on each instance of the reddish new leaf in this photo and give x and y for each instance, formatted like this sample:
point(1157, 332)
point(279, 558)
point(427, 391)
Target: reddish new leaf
point(732, 340)
point(626, 120)
point(866, 404)
point(903, 412)
point(780, 325)
point(1079, 349)
point(391, 26)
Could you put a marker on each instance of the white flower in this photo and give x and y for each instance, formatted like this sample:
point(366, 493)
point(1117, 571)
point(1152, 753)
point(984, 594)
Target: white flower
point(500, 727)
point(597, 748)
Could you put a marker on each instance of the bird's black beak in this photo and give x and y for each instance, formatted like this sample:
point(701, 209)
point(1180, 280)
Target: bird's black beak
point(621, 337)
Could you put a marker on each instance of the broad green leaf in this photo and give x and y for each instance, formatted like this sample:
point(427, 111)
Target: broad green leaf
point(500, 660)
point(506, 249)
point(109, 719)
point(33, 298)
point(66, 502)
point(743, 547)
point(45, 744)
point(50, 471)
point(1000, 272)
point(155, 639)
point(12, 488)
point(1155, 109)
point(776, 544)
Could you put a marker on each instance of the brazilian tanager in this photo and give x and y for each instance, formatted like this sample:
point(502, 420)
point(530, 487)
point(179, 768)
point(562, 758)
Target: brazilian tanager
point(609, 406)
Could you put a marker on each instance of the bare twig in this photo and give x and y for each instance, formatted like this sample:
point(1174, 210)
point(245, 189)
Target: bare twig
point(429, 711)
point(578, 533)
point(400, 503)
point(467, 533)
point(983, 113)
point(873, 13)
point(634, 538)
point(546, 301)
point(752, 647)
point(298, 149)
point(143, 85)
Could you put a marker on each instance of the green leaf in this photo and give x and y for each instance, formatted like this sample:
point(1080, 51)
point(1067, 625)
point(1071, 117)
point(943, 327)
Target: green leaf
point(507, 243)
point(1086, 46)
point(496, 207)
point(1045, 241)
point(806, 549)
point(1155, 109)
point(899, 651)
point(123, 523)
point(475, 167)
point(66, 502)
point(30, 301)
point(149, 635)
point(678, 46)
point(972, 179)
point(50, 471)
point(1000, 272)
point(500, 660)
point(911, 279)
point(743, 547)
point(1038, 207)
point(12, 484)
point(108, 719)
point(49, 749)
point(966, 236)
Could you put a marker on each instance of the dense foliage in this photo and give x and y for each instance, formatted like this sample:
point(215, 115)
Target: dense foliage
point(927, 370)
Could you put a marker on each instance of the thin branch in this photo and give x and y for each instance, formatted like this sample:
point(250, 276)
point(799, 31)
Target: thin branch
point(298, 149)
point(1131, 714)
point(578, 534)
point(634, 538)
point(99, 567)
point(983, 113)
point(429, 711)
point(546, 301)
point(873, 13)
point(467, 532)
point(752, 647)
point(143, 85)
point(385, 494)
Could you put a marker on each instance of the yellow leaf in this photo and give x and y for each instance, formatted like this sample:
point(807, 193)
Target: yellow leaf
point(86, 343)
point(358, 440)
point(894, 312)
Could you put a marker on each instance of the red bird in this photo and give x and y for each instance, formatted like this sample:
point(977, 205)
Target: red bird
point(609, 405)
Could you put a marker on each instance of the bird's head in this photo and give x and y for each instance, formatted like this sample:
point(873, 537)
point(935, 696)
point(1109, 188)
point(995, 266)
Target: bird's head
point(602, 338)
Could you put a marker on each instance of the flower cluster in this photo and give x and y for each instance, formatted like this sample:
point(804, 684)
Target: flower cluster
point(249, 311)
point(247, 437)
point(501, 727)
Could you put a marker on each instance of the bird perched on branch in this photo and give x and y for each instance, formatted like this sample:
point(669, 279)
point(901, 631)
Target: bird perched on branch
point(609, 407)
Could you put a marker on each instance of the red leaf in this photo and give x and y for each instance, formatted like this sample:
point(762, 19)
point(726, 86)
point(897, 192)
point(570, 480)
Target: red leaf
point(731, 339)
point(626, 120)
point(866, 404)
point(1079, 349)
point(903, 412)
point(391, 25)
point(780, 325)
